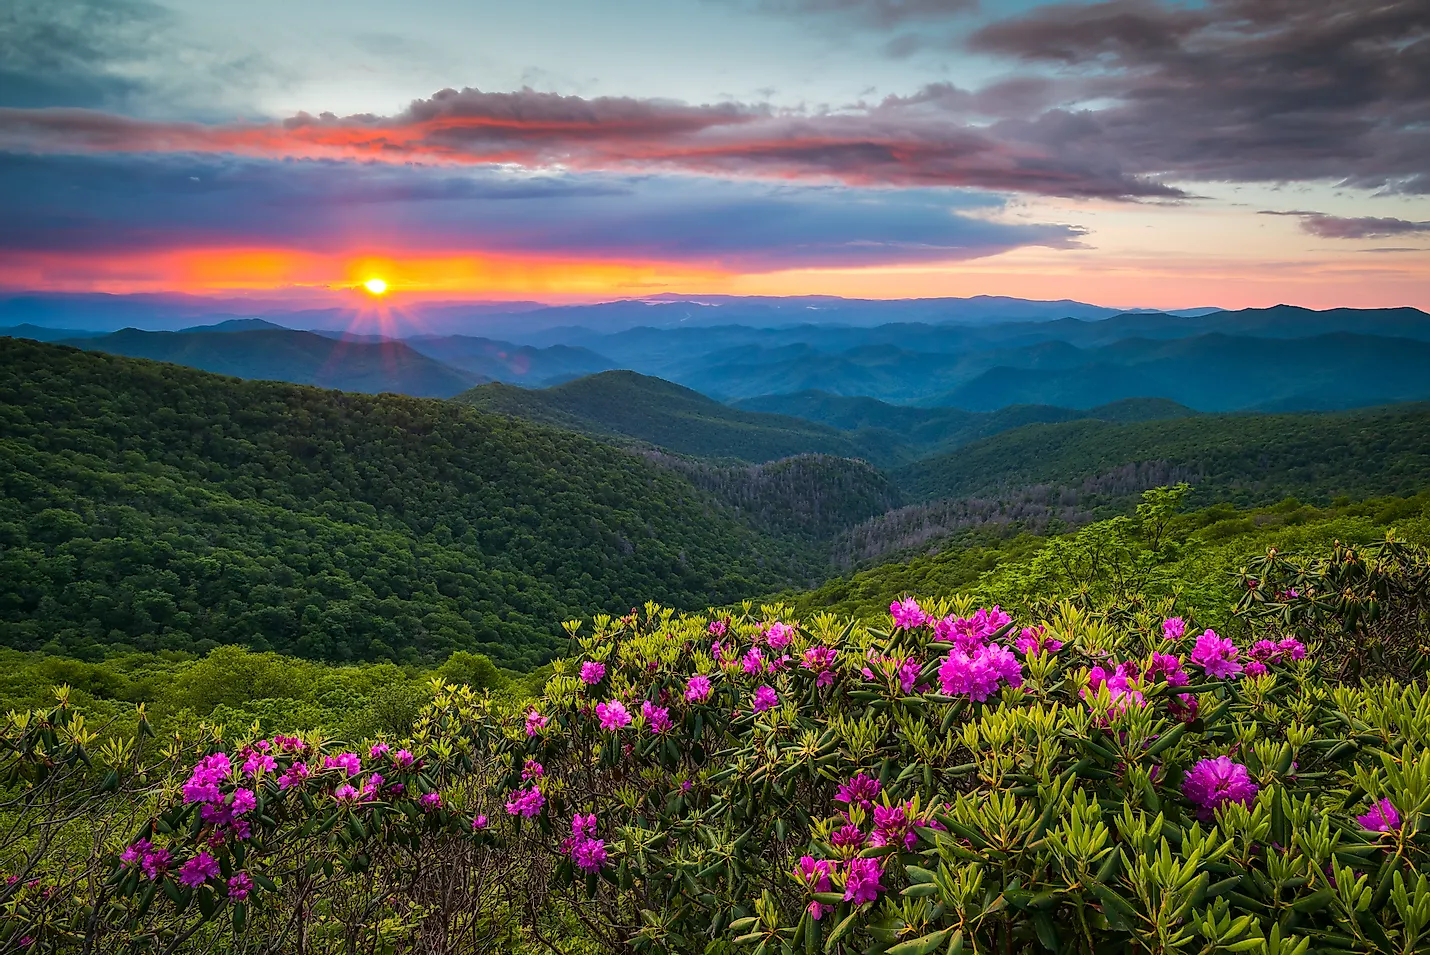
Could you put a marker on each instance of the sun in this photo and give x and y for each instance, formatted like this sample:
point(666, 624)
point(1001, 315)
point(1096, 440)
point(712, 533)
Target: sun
point(375, 286)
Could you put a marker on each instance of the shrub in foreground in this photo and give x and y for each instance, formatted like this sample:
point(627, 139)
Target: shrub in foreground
point(949, 781)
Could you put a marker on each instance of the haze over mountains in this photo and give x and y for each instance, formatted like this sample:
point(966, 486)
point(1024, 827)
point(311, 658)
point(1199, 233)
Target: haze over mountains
point(978, 355)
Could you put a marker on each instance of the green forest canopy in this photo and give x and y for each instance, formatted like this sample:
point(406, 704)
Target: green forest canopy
point(152, 507)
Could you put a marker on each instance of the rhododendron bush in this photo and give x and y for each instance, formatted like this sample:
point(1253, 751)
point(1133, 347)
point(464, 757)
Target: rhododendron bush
point(946, 779)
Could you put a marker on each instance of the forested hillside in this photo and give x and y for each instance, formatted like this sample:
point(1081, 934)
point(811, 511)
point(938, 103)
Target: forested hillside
point(152, 506)
point(915, 431)
point(1247, 459)
point(623, 404)
point(283, 354)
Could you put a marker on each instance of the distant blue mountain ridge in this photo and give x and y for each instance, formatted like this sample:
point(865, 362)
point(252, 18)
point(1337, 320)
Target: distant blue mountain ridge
point(937, 353)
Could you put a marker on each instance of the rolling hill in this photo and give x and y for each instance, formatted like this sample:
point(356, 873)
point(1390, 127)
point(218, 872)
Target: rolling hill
point(1217, 372)
point(651, 411)
point(927, 429)
point(504, 361)
point(1246, 459)
point(279, 354)
point(151, 506)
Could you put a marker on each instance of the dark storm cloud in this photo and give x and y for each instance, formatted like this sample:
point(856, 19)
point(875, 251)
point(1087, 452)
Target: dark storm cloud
point(1355, 227)
point(74, 52)
point(1243, 90)
point(110, 203)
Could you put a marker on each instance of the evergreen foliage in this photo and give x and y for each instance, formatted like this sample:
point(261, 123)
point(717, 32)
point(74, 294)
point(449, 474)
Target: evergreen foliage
point(149, 506)
point(1245, 459)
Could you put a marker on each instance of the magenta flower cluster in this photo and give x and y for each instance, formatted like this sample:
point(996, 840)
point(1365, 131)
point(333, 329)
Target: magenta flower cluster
point(1383, 817)
point(969, 633)
point(1213, 783)
point(861, 880)
point(979, 672)
point(1216, 655)
point(586, 850)
point(614, 716)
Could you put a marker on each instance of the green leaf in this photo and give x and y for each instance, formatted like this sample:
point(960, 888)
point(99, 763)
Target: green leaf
point(921, 946)
point(840, 930)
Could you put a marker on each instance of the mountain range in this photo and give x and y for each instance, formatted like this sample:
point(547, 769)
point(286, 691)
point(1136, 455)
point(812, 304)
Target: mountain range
point(207, 509)
point(1277, 359)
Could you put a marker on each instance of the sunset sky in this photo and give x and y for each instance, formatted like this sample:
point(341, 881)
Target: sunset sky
point(1138, 153)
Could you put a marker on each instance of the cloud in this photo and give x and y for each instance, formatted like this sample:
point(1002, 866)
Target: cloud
point(881, 14)
point(1242, 90)
point(909, 142)
point(92, 205)
point(130, 56)
point(1356, 227)
point(1124, 99)
point(74, 52)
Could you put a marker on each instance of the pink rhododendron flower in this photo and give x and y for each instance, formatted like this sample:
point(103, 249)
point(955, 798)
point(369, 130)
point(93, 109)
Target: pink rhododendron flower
point(861, 880)
point(820, 660)
point(1173, 628)
point(1255, 668)
point(479, 823)
point(589, 854)
point(754, 661)
point(155, 863)
point(1212, 783)
point(592, 672)
point(765, 698)
point(718, 627)
point(535, 722)
point(294, 776)
point(893, 825)
point(525, 802)
point(613, 715)
point(1382, 817)
point(198, 870)
point(532, 769)
point(657, 718)
point(1275, 651)
point(908, 674)
point(978, 675)
point(1033, 640)
point(133, 853)
point(778, 635)
point(431, 801)
point(239, 886)
point(258, 763)
point(698, 689)
point(1165, 666)
point(403, 758)
point(203, 782)
point(244, 802)
point(970, 633)
point(848, 837)
point(349, 763)
point(814, 873)
point(908, 614)
point(1183, 707)
point(1121, 685)
point(371, 786)
point(1216, 655)
point(861, 790)
point(346, 793)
